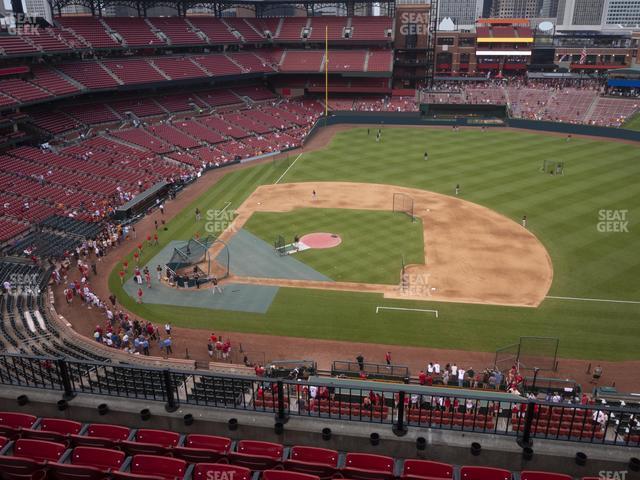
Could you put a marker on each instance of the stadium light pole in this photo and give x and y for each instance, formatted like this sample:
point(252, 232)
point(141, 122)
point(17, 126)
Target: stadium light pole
point(326, 74)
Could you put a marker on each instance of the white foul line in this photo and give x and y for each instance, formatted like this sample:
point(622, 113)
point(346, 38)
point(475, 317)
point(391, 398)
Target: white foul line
point(594, 300)
point(407, 310)
point(288, 168)
point(227, 205)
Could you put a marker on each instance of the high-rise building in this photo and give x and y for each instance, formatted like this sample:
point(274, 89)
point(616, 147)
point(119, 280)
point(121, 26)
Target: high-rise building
point(549, 9)
point(516, 8)
point(622, 12)
point(580, 13)
point(461, 12)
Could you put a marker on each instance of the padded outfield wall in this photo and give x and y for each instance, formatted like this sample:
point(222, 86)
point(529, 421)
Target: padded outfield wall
point(415, 119)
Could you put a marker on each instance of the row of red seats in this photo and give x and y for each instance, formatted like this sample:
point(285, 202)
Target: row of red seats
point(37, 447)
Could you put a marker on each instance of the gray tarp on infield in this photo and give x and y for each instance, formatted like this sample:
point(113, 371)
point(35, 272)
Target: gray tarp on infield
point(240, 298)
point(251, 256)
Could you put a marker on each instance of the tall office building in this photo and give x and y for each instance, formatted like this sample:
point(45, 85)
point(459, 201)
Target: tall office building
point(516, 8)
point(580, 13)
point(622, 12)
point(462, 12)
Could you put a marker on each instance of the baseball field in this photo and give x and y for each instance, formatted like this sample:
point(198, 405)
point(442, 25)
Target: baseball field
point(584, 223)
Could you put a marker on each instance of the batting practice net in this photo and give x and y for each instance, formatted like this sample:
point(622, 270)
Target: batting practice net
point(196, 252)
point(403, 203)
point(280, 246)
point(529, 353)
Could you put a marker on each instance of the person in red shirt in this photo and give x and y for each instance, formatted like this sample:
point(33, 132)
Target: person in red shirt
point(387, 358)
point(140, 294)
point(429, 380)
point(155, 239)
point(213, 338)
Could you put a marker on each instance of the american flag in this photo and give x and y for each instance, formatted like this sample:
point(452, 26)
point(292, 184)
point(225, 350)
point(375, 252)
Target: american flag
point(583, 55)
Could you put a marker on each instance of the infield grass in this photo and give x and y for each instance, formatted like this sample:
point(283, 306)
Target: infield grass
point(373, 243)
point(496, 168)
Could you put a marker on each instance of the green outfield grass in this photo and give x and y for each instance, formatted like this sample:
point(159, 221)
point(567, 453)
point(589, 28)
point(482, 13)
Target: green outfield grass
point(633, 123)
point(495, 168)
point(370, 252)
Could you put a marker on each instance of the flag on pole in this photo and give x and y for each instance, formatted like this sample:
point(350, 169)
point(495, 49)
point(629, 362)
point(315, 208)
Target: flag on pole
point(583, 55)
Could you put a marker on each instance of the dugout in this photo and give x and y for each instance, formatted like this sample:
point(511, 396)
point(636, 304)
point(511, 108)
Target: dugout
point(141, 202)
point(374, 371)
point(292, 369)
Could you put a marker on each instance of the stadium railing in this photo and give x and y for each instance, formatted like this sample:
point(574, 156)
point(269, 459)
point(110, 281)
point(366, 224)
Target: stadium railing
point(399, 406)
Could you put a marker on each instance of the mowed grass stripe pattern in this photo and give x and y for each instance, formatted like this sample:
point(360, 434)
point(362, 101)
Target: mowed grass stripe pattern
point(502, 171)
point(495, 168)
point(373, 243)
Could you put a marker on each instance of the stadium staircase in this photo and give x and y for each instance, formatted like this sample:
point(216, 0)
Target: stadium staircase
point(110, 73)
point(591, 110)
point(157, 69)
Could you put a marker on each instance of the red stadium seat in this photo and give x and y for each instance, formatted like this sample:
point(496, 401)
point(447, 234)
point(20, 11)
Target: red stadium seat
point(364, 466)
point(203, 448)
point(257, 455)
point(220, 471)
point(38, 450)
point(321, 462)
point(484, 473)
point(152, 466)
point(102, 435)
point(102, 458)
point(16, 468)
point(151, 442)
point(66, 471)
point(533, 475)
point(286, 475)
point(53, 429)
point(88, 463)
point(3, 441)
point(11, 423)
point(426, 470)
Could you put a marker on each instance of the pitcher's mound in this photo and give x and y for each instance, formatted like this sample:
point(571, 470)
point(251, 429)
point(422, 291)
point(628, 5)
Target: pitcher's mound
point(321, 240)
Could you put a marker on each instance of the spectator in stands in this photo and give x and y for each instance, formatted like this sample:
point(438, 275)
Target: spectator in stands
point(436, 368)
point(461, 374)
point(166, 343)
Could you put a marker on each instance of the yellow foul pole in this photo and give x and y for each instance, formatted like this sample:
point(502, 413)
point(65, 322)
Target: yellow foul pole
point(326, 70)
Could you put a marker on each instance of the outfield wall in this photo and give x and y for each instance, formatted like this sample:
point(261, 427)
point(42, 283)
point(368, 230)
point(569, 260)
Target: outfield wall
point(415, 119)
